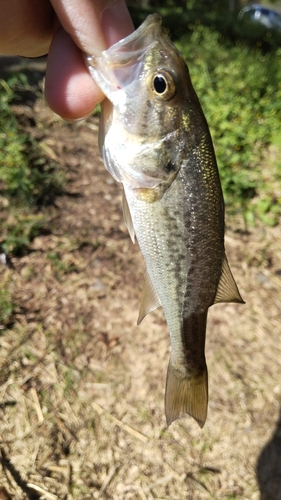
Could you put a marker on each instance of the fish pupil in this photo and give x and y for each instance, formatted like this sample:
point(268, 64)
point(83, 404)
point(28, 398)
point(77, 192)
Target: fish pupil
point(160, 84)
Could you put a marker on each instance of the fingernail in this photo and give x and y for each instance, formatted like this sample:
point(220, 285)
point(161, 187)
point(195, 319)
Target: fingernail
point(77, 120)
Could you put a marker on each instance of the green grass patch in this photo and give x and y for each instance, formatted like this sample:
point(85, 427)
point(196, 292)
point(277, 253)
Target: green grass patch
point(20, 229)
point(6, 306)
point(240, 91)
point(28, 180)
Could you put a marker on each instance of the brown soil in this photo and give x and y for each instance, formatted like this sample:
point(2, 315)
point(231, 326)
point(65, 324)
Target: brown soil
point(82, 387)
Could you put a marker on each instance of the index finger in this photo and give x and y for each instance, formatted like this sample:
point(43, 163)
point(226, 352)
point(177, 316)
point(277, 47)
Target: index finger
point(94, 25)
point(90, 26)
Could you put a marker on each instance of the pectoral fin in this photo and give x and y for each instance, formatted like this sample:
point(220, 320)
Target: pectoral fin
point(227, 290)
point(127, 217)
point(149, 298)
point(186, 395)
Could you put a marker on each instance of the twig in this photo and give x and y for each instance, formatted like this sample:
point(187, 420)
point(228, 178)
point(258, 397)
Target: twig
point(37, 405)
point(141, 493)
point(43, 492)
point(107, 481)
point(120, 424)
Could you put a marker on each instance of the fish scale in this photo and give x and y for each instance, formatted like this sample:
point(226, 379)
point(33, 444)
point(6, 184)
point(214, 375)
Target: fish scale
point(154, 139)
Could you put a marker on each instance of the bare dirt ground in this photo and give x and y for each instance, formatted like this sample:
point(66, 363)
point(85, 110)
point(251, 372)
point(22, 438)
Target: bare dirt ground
point(82, 387)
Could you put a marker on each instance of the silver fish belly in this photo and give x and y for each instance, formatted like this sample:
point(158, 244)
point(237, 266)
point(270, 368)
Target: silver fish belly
point(155, 141)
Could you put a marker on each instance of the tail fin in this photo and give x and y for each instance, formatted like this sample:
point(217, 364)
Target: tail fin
point(185, 395)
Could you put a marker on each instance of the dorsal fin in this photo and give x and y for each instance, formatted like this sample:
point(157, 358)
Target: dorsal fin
point(227, 290)
point(127, 217)
point(149, 298)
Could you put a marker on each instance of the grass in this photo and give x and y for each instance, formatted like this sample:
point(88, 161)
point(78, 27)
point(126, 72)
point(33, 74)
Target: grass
point(244, 115)
point(244, 120)
point(82, 388)
point(29, 181)
point(6, 306)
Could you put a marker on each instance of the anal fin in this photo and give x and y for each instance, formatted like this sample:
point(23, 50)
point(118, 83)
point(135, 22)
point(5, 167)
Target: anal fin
point(186, 395)
point(149, 298)
point(227, 290)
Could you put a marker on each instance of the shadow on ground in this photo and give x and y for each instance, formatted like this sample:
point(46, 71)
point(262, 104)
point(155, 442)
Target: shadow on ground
point(269, 467)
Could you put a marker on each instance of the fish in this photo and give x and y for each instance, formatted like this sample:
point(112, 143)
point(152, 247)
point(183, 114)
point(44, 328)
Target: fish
point(155, 141)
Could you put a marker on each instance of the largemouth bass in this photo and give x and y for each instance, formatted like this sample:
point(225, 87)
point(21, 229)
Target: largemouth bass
point(154, 139)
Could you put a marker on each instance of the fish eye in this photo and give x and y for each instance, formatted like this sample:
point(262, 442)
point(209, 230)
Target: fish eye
point(163, 85)
point(159, 84)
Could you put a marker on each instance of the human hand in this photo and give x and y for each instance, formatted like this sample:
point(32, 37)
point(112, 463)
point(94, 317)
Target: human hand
point(64, 28)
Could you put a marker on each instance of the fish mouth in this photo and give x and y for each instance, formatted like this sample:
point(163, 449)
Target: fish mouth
point(121, 64)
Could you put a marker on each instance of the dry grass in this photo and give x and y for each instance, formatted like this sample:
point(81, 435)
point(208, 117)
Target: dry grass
point(81, 393)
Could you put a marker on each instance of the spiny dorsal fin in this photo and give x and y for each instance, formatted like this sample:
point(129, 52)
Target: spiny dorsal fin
point(127, 217)
point(149, 298)
point(227, 290)
point(186, 395)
